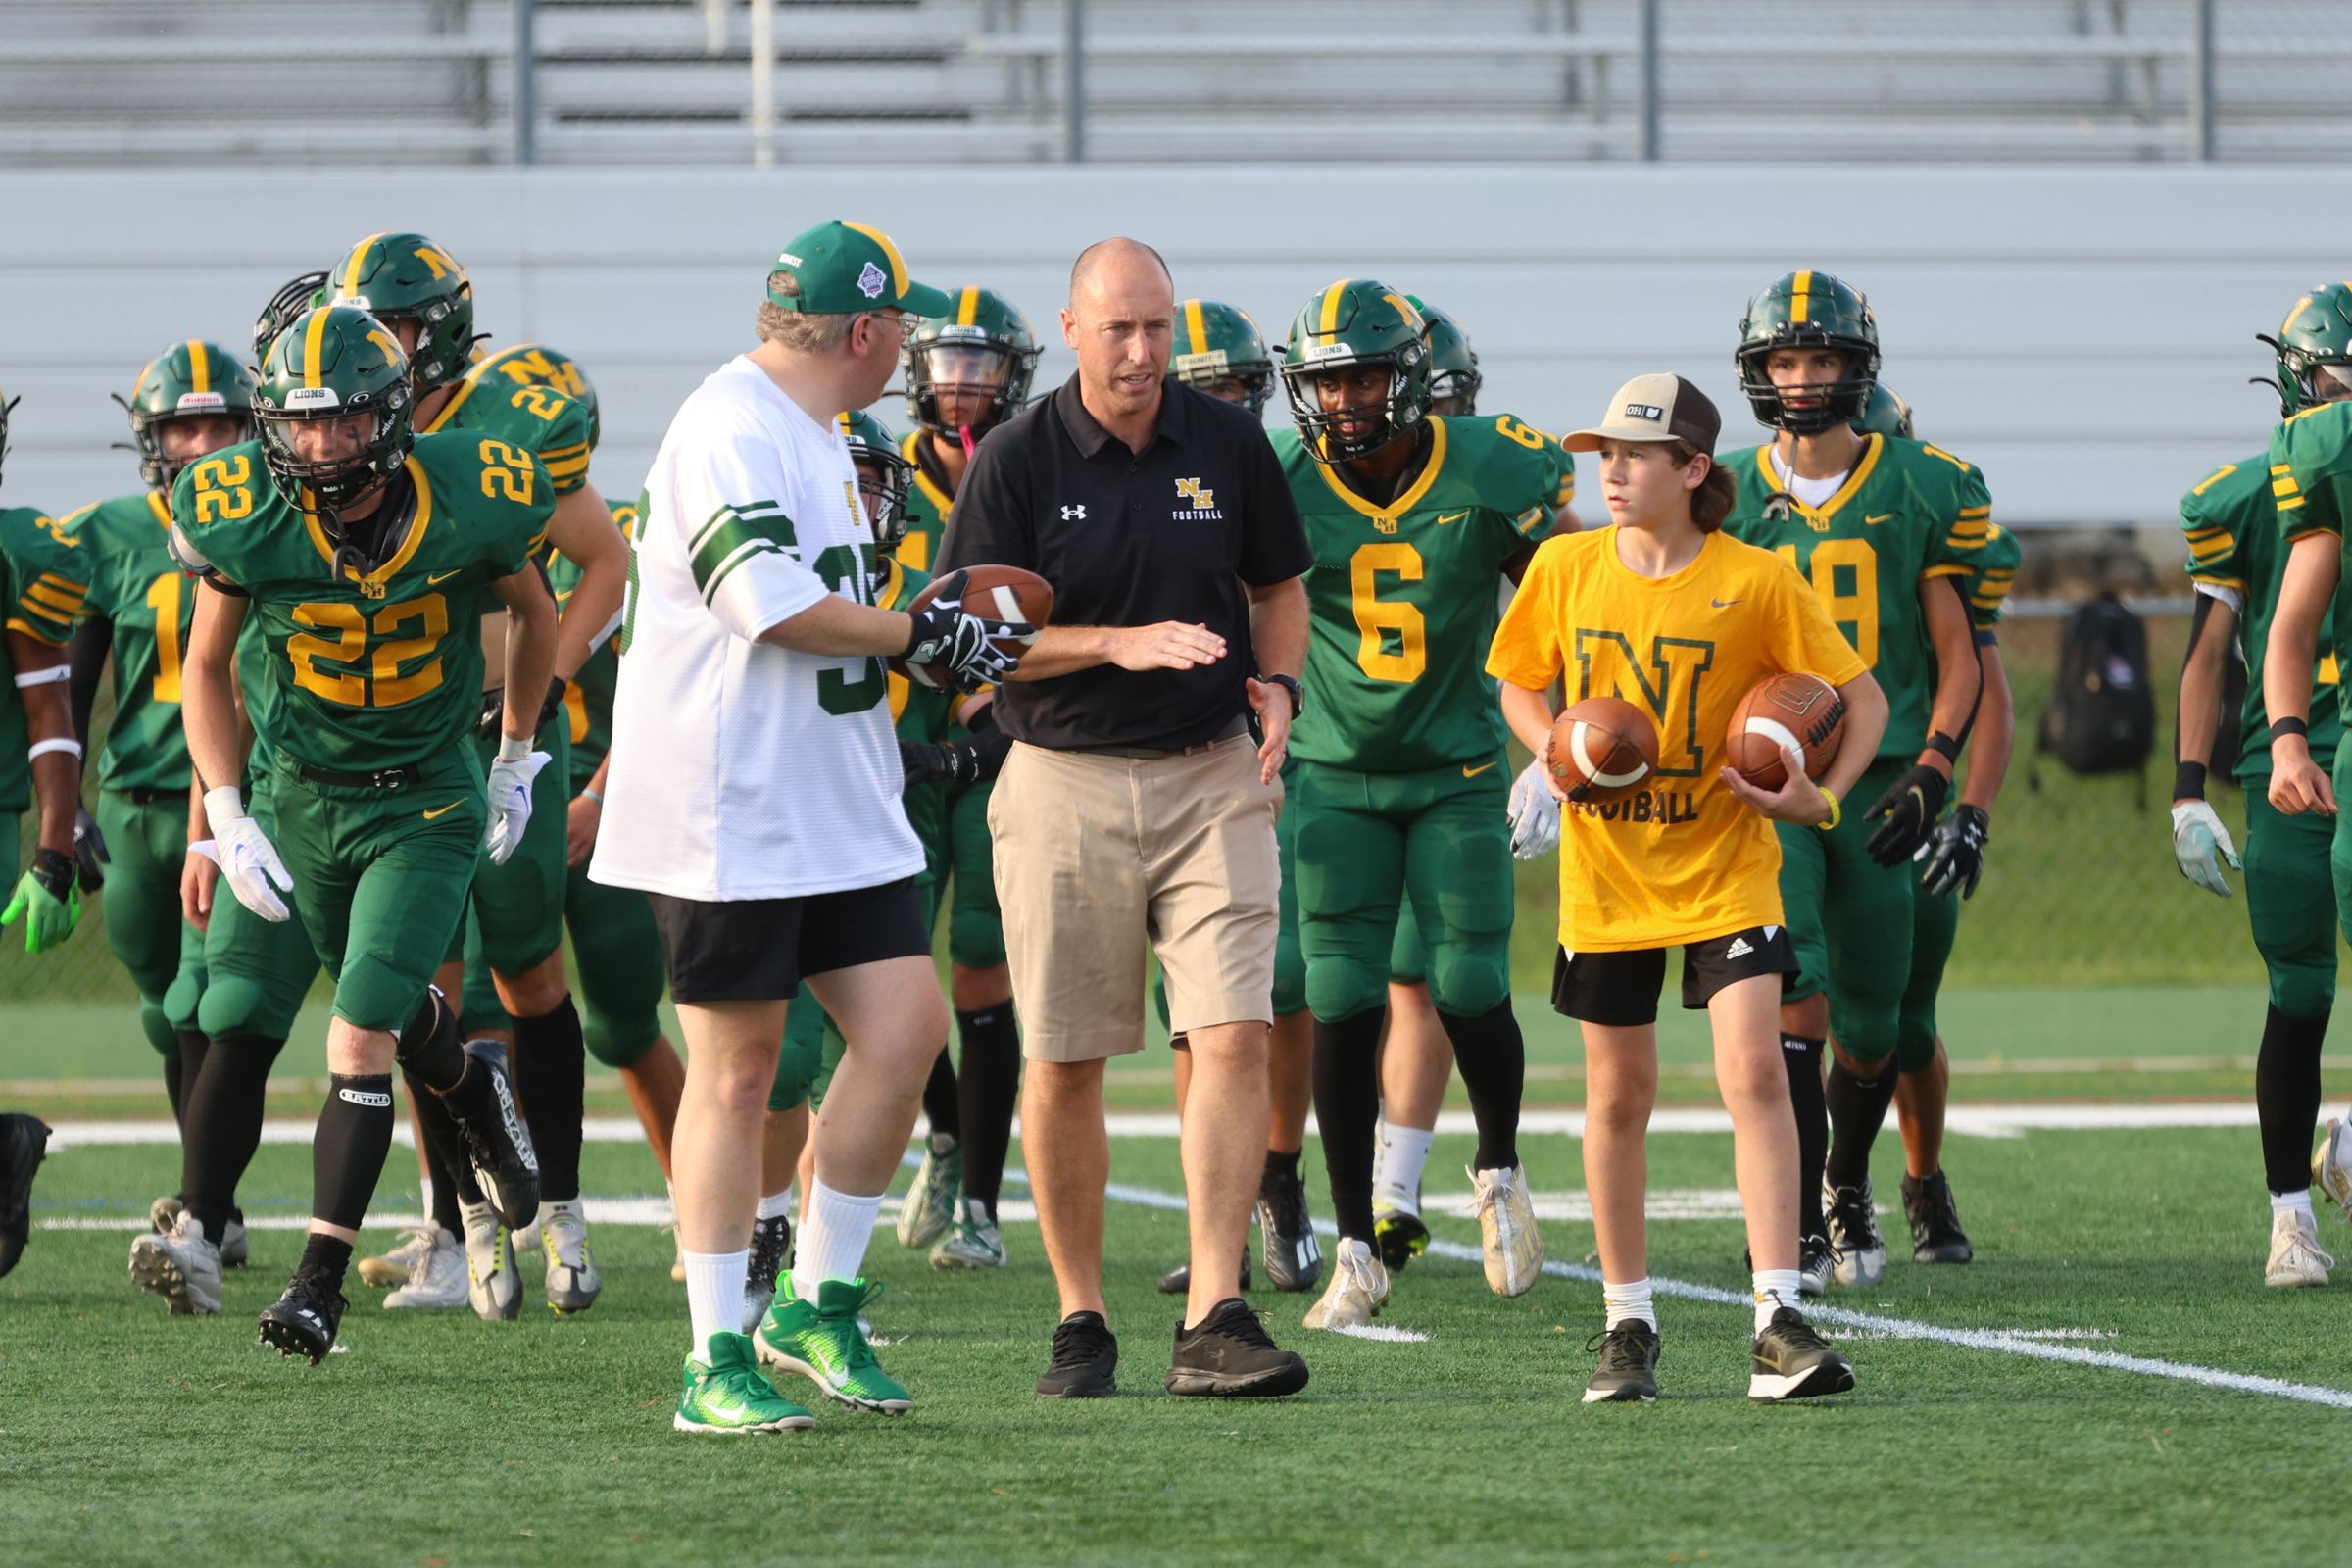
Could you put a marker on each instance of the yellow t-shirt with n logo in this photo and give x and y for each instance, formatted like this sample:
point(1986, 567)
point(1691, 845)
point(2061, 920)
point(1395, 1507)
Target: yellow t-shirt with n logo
point(1683, 862)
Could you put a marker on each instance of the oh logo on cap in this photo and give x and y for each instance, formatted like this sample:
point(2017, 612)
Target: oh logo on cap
point(1644, 411)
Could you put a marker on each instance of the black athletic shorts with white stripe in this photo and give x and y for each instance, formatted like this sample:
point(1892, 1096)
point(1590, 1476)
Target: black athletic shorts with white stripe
point(1620, 989)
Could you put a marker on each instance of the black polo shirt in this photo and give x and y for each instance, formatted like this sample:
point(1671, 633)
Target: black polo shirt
point(1131, 539)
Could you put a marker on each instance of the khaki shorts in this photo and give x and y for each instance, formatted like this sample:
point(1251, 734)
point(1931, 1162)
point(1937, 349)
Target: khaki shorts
point(1097, 856)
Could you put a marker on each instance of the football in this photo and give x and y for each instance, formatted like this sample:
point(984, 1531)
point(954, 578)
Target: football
point(1007, 592)
point(1604, 749)
point(1796, 713)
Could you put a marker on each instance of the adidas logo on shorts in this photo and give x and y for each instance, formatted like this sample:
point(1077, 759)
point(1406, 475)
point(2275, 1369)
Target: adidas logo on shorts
point(1739, 949)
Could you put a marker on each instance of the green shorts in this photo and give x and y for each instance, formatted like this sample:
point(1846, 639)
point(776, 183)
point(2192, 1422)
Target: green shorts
point(2290, 902)
point(1365, 843)
point(164, 953)
point(520, 905)
point(975, 925)
point(1850, 919)
point(620, 957)
point(813, 1046)
point(256, 971)
point(1935, 923)
point(384, 874)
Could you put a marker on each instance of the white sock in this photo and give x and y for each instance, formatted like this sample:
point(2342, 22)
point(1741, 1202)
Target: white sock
point(714, 1294)
point(1621, 1301)
point(778, 1204)
point(425, 1185)
point(1396, 1179)
point(832, 1244)
point(2298, 1202)
point(1775, 1288)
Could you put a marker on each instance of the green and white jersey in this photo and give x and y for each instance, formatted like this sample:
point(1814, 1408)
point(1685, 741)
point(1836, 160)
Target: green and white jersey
point(588, 697)
point(927, 504)
point(1404, 597)
point(1908, 512)
point(140, 590)
point(44, 578)
point(383, 671)
point(527, 413)
point(1997, 571)
point(2237, 554)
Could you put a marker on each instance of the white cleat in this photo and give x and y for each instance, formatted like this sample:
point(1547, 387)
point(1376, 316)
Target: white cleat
point(162, 1214)
point(1507, 1230)
point(183, 1268)
point(2295, 1256)
point(1359, 1288)
point(973, 1242)
point(572, 1282)
point(2331, 1167)
point(438, 1278)
point(491, 1285)
point(1857, 1249)
point(399, 1265)
point(233, 1249)
point(527, 1240)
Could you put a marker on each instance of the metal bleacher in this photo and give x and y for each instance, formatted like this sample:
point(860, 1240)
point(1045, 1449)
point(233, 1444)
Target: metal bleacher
point(664, 81)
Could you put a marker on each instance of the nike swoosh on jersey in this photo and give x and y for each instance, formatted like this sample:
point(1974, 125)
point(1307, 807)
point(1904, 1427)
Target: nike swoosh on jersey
point(443, 577)
point(1443, 518)
point(1473, 772)
point(1724, 604)
point(444, 811)
point(1881, 517)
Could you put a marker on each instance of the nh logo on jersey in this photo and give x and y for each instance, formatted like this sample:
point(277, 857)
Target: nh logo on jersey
point(1073, 514)
point(872, 282)
point(1194, 504)
point(1383, 524)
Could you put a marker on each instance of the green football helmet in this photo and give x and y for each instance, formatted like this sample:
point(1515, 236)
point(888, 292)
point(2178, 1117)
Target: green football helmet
point(983, 346)
point(287, 303)
point(2314, 348)
point(194, 379)
point(883, 475)
point(1217, 344)
point(1453, 375)
point(537, 365)
point(395, 277)
point(6, 403)
point(334, 363)
point(1887, 415)
point(1808, 309)
point(1356, 321)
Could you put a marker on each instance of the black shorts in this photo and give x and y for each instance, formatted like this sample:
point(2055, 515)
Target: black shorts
point(758, 950)
point(1620, 989)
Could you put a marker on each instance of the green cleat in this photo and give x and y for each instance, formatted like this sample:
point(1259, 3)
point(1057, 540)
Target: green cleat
point(728, 1393)
point(825, 1344)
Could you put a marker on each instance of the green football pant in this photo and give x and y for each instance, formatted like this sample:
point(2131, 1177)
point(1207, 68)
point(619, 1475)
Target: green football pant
point(975, 925)
point(1408, 963)
point(1850, 919)
point(1935, 923)
point(164, 953)
point(256, 971)
point(813, 1045)
point(383, 875)
point(478, 1005)
point(620, 957)
point(2290, 902)
point(520, 905)
point(1366, 840)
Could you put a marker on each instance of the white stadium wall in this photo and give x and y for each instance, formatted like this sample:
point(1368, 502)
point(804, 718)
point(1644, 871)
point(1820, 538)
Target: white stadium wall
point(2083, 333)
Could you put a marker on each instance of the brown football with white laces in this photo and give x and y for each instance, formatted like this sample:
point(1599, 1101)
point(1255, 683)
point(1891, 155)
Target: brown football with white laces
point(1604, 749)
point(1001, 593)
point(1796, 713)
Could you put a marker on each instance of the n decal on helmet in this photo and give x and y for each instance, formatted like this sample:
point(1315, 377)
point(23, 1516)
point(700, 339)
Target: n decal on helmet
point(1356, 321)
point(981, 350)
point(1806, 310)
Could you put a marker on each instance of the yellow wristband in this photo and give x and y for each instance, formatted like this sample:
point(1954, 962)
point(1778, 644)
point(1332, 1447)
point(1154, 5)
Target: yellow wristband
point(1832, 800)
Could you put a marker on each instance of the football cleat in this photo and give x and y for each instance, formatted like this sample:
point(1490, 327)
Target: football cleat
point(498, 1142)
point(2295, 1256)
point(1936, 1233)
point(929, 1206)
point(438, 1278)
point(1507, 1232)
point(771, 1254)
point(303, 1321)
point(2331, 1167)
point(234, 1252)
point(824, 1341)
point(728, 1393)
point(572, 1282)
point(1293, 1256)
point(974, 1242)
point(1229, 1355)
point(1400, 1234)
point(1792, 1363)
point(1629, 1364)
point(1814, 1262)
point(1179, 1280)
point(162, 1214)
point(1858, 1250)
point(1358, 1289)
point(527, 1240)
point(23, 1144)
point(183, 1268)
point(1086, 1359)
point(399, 1265)
point(491, 1284)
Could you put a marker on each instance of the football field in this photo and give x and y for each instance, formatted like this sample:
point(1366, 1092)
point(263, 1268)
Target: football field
point(2109, 1381)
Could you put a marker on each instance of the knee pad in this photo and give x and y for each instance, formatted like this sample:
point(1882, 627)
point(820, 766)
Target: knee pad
point(1471, 979)
point(158, 1029)
point(619, 1043)
point(183, 998)
point(2303, 990)
point(1914, 1042)
point(1339, 989)
point(234, 1005)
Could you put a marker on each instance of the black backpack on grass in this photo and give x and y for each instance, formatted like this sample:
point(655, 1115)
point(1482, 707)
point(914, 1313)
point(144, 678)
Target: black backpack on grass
point(2103, 713)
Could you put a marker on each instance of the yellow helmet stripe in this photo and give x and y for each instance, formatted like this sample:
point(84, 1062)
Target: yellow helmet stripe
point(1194, 329)
point(314, 339)
point(200, 370)
point(2288, 325)
point(1405, 308)
point(897, 267)
point(968, 309)
point(359, 259)
point(1329, 322)
point(1799, 298)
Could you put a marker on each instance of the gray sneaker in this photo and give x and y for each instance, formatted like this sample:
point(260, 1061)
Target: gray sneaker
point(437, 1277)
point(973, 1242)
point(183, 1268)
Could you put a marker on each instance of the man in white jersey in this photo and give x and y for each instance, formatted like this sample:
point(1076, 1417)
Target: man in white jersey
point(754, 795)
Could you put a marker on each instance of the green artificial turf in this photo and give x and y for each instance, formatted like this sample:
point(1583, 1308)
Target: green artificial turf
point(126, 1436)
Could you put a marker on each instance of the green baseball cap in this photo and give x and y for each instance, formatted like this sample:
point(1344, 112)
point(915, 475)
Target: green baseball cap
point(844, 268)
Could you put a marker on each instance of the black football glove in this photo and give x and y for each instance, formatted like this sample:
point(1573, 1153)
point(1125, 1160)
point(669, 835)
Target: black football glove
point(1953, 857)
point(955, 763)
point(494, 708)
point(974, 651)
point(1910, 809)
point(89, 851)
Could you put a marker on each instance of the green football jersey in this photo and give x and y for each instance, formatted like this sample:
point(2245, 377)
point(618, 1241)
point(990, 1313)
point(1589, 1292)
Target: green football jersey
point(140, 589)
point(1997, 571)
point(44, 578)
point(2232, 523)
point(2311, 485)
point(532, 415)
point(1404, 597)
point(1908, 511)
point(927, 504)
point(383, 671)
point(588, 697)
point(921, 713)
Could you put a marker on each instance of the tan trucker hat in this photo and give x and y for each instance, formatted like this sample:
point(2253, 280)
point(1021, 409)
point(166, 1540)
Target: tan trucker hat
point(1653, 408)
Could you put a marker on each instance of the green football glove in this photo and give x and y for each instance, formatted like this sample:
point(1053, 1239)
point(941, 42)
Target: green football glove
point(2200, 843)
point(47, 898)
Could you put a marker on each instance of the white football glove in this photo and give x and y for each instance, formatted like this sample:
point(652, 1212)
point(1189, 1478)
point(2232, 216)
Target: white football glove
point(2200, 843)
point(245, 855)
point(1534, 816)
point(511, 804)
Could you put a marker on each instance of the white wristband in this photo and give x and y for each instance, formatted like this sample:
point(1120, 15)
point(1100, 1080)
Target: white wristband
point(222, 806)
point(514, 749)
point(60, 744)
point(45, 677)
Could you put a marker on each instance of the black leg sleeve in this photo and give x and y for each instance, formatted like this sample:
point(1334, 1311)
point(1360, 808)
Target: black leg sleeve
point(1346, 1082)
point(347, 1153)
point(1801, 1055)
point(223, 1126)
point(1492, 1057)
point(175, 1081)
point(1857, 1108)
point(550, 1069)
point(988, 1086)
point(430, 1049)
point(2286, 1097)
point(445, 1157)
point(939, 1097)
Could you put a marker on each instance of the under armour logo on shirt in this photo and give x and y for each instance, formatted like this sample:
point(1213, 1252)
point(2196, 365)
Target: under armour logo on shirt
point(1073, 514)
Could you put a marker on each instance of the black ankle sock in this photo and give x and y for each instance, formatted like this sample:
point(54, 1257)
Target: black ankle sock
point(2286, 1097)
point(330, 1252)
point(1280, 1167)
point(430, 1049)
point(939, 1097)
point(224, 1125)
point(1801, 1055)
point(1492, 1057)
point(1346, 1079)
point(175, 1080)
point(550, 1069)
point(988, 1086)
point(1857, 1108)
point(347, 1153)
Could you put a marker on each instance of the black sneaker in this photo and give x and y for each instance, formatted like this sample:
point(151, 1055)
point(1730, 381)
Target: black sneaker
point(1936, 1233)
point(1858, 1249)
point(1229, 1354)
point(1814, 1263)
point(1792, 1363)
point(771, 1250)
point(498, 1142)
point(24, 1145)
point(303, 1321)
point(1178, 1280)
point(1629, 1364)
point(1293, 1256)
point(1086, 1359)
